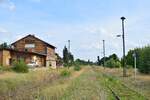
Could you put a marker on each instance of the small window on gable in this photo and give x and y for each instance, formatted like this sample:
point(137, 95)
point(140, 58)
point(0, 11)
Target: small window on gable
point(25, 49)
point(29, 45)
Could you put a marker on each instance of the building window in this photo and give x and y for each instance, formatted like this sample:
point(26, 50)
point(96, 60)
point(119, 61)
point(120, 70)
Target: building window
point(29, 45)
point(26, 49)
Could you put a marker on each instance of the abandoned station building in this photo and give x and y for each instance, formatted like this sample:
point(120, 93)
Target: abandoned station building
point(30, 49)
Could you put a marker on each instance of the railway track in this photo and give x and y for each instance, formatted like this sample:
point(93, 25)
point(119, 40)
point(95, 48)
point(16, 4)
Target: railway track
point(117, 88)
point(114, 94)
point(116, 97)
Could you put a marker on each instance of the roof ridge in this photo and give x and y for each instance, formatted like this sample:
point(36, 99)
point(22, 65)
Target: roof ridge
point(34, 37)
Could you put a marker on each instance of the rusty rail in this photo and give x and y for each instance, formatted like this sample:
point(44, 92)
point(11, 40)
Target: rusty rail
point(114, 94)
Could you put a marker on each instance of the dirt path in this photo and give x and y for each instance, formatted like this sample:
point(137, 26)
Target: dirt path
point(78, 73)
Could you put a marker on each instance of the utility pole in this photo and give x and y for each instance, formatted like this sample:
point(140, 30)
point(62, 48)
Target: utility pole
point(123, 38)
point(134, 55)
point(68, 55)
point(69, 46)
point(104, 53)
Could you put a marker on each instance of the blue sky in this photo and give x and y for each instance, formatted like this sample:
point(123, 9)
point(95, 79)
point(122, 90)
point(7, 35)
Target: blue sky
point(85, 22)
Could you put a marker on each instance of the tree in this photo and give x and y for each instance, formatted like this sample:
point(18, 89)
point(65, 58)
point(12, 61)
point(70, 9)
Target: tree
point(98, 61)
point(114, 56)
point(68, 58)
point(65, 56)
point(112, 63)
point(4, 45)
point(59, 60)
point(129, 58)
point(102, 60)
point(81, 62)
point(71, 59)
point(143, 59)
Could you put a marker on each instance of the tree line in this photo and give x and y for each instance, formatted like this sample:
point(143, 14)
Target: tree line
point(143, 59)
point(68, 59)
point(111, 61)
point(142, 56)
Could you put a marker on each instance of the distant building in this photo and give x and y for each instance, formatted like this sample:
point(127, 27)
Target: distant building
point(30, 49)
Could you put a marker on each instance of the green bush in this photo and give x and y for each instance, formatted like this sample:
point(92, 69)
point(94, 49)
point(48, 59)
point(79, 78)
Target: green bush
point(112, 63)
point(5, 68)
point(129, 66)
point(20, 66)
point(117, 64)
point(65, 73)
point(77, 67)
point(1, 68)
point(65, 65)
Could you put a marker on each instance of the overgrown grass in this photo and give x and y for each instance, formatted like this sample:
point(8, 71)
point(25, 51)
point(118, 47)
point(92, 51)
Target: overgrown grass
point(20, 66)
point(65, 73)
point(87, 84)
point(85, 87)
point(140, 84)
point(3, 69)
point(77, 67)
point(120, 89)
point(25, 86)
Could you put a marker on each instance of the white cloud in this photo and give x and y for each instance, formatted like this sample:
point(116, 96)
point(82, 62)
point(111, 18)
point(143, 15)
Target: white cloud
point(8, 5)
point(2, 30)
point(12, 6)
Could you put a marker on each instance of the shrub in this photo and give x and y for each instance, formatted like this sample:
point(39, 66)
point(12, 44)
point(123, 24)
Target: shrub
point(117, 64)
point(5, 68)
point(112, 63)
point(20, 66)
point(65, 65)
point(129, 66)
point(77, 67)
point(1, 68)
point(65, 73)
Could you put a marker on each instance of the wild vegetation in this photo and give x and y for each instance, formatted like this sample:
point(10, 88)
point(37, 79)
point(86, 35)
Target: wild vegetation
point(112, 61)
point(77, 67)
point(75, 82)
point(90, 83)
point(68, 58)
point(65, 73)
point(143, 59)
point(140, 83)
point(5, 45)
point(20, 66)
point(18, 86)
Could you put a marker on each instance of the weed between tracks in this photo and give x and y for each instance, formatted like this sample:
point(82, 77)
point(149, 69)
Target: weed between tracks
point(120, 89)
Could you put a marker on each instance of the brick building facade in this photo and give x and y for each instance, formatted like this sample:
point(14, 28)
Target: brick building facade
point(31, 49)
